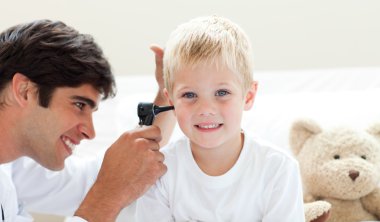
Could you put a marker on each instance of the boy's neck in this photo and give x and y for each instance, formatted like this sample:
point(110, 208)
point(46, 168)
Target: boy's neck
point(219, 160)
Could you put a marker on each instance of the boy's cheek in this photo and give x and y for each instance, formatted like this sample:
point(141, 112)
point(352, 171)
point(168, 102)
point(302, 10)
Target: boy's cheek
point(182, 115)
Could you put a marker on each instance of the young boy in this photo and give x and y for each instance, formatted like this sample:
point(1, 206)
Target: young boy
point(218, 172)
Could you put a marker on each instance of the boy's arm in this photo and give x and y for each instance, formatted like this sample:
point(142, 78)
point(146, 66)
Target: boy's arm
point(286, 200)
point(154, 205)
point(166, 120)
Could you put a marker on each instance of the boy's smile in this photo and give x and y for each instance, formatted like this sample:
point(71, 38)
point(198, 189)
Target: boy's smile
point(208, 126)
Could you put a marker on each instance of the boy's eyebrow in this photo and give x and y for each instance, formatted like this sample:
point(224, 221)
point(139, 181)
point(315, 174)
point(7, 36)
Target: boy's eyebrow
point(86, 100)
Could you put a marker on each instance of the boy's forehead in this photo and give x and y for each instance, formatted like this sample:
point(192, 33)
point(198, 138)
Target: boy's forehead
point(207, 67)
point(215, 64)
point(206, 72)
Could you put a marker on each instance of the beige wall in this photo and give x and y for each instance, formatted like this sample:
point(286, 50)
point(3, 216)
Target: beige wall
point(286, 34)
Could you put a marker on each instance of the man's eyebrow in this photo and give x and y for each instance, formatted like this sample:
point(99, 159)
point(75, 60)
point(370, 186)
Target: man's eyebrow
point(86, 100)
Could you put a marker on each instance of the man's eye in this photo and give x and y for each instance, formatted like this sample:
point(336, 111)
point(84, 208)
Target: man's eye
point(189, 95)
point(222, 93)
point(80, 105)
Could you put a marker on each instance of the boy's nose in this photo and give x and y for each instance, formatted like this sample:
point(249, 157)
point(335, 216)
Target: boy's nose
point(206, 107)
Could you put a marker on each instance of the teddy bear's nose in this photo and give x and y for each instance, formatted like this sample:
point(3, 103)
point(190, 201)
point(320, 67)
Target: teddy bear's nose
point(353, 174)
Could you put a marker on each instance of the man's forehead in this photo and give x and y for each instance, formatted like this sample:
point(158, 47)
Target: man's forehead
point(85, 92)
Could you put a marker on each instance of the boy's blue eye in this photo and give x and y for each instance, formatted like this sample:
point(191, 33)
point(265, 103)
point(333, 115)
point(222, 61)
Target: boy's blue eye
point(189, 95)
point(222, 93)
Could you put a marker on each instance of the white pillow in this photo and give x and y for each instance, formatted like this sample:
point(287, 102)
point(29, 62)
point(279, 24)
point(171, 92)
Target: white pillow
point(272, 115)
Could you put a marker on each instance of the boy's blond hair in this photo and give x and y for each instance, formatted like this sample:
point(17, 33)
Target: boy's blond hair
point(207, 40)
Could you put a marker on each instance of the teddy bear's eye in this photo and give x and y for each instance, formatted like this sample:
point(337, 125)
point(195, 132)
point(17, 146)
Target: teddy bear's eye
point(363, 157)
point(337, 157)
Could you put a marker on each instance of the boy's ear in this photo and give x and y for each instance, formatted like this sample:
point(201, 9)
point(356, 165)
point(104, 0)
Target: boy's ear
point(21, 87)
point(166, 93)
point(250, 96)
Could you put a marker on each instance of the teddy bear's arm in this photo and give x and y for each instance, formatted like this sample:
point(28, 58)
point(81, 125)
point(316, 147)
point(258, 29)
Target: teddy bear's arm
point(371, 202)
point(323, 217)
point(317, 211)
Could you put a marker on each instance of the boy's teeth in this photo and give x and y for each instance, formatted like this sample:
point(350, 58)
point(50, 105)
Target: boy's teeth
point(211, 126)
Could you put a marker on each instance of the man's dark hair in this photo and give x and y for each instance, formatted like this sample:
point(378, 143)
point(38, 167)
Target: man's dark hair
point(52, 54)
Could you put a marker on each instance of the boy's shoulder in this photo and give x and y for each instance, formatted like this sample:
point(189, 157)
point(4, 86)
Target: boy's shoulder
point(176, 148)
point(267, 151)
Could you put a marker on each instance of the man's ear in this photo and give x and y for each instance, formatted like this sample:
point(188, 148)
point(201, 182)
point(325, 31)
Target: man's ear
point(21, 86)
point(250, 96)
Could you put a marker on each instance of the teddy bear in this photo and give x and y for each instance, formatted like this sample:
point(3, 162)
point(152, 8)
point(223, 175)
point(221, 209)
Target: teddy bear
point(340, 166)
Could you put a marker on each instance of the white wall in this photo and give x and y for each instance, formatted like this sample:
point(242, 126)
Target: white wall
point(286, 34)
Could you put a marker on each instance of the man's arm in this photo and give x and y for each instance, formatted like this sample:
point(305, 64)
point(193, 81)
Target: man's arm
point(132, 164)
point(165, 120)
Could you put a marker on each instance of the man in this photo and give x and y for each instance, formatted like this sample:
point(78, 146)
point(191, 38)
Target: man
point(51, 81)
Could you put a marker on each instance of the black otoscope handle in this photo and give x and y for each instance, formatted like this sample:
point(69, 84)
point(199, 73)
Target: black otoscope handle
point(148, 111)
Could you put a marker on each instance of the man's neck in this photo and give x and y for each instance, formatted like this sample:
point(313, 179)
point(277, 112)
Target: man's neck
point(9, 143)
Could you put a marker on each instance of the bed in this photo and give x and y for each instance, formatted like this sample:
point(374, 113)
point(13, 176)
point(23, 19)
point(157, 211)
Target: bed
point(345, 96)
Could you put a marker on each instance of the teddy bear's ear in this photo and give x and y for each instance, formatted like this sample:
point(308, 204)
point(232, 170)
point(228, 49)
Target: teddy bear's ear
point(375, 130)
point(300, 131)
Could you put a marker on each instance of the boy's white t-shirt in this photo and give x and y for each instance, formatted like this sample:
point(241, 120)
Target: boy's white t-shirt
point(263, 185)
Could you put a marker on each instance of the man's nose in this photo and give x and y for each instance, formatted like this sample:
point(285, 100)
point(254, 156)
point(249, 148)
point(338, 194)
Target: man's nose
point(87, 128)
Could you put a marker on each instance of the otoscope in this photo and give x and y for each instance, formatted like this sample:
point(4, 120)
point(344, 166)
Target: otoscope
point(148, 111)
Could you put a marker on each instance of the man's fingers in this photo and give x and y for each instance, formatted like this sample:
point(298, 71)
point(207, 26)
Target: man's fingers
point(148, 132)
point(158, 52)
point(147, 144)
point(160, 157)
